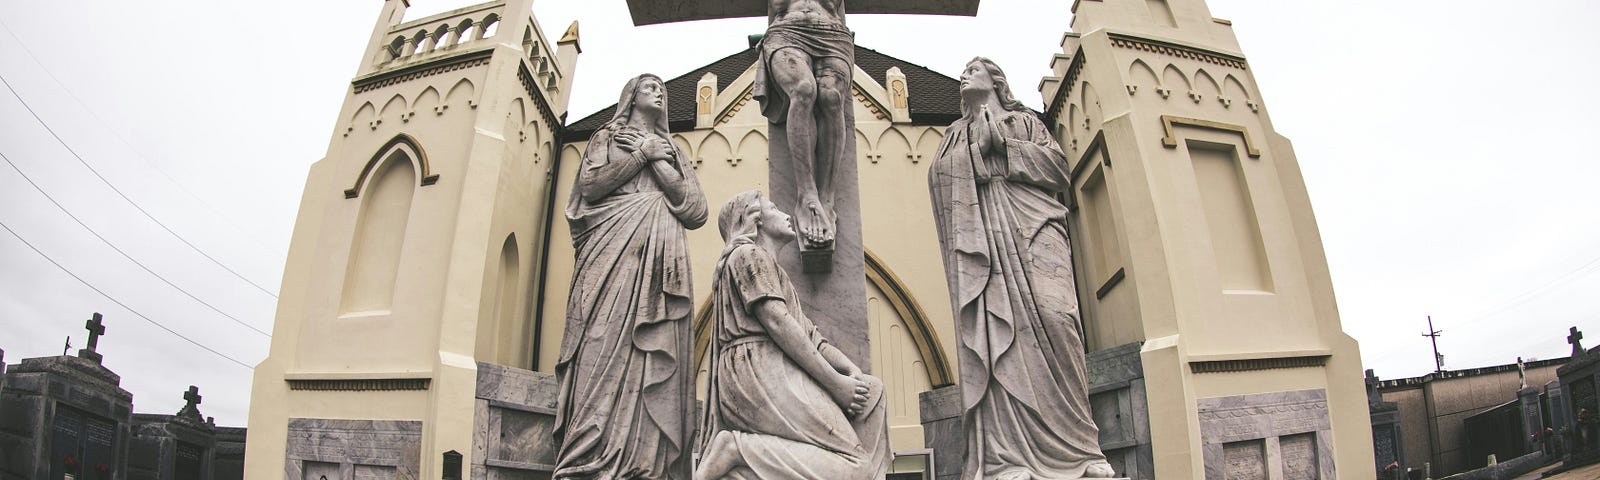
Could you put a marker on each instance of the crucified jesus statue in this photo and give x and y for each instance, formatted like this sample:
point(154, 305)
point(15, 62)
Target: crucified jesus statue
point(803, 84)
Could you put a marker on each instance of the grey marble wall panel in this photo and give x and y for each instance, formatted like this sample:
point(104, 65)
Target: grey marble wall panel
point(1292, 428)
point(356, 445)
point(513, 423)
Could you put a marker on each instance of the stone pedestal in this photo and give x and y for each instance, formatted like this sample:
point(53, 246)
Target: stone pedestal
point(1116, 398)
point(941, 430)
point(61, 415)
point(514, 415)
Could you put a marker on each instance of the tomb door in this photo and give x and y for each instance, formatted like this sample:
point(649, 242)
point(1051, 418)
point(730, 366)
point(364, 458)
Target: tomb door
point(188, 462)
point(82, 446)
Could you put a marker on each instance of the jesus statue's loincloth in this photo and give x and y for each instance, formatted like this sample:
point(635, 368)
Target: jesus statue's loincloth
point(816, 41)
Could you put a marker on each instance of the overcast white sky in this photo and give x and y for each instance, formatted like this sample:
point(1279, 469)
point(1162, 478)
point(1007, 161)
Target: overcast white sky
point(1447, 145)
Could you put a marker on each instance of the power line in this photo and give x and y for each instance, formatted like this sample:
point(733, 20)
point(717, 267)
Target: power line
point(125, 254)
point(119, 303)
point(119, 136)
point(123, 195)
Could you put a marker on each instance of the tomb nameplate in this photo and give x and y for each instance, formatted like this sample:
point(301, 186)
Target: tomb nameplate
point(1299, 453)
point(1245, 460)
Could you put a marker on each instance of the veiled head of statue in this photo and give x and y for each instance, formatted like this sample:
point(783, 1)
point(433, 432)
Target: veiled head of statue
point(983, 73)
point(643, 98)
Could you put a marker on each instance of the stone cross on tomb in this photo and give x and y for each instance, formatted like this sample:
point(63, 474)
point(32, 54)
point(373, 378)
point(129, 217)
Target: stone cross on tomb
point(191, 406)
point(96, 329)
point(1576, 339)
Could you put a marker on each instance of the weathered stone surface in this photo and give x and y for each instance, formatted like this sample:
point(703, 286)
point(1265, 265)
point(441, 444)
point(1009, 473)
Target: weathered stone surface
point(167, 447)
point(626, 363)
point(1243, 461)
point(941, 430)
point(514, 423)
point(317, 446)
point(646, 12)
point(782, 402)
point(1292, 428)
point(994, 188)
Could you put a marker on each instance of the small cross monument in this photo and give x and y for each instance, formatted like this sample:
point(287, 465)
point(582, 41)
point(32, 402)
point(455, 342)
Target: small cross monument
point(1575, 338)
point(96, 329)
point(191, 406)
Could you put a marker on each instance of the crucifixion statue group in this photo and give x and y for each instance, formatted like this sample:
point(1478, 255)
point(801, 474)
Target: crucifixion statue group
point(782, 402)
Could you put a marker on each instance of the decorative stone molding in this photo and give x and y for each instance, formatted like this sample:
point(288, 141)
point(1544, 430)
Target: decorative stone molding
point(736, 106)
point(369, 385)
point(1179, 51)
point(399, 141)
point(1168, 122)
point(1254, 364)
point(443, 65)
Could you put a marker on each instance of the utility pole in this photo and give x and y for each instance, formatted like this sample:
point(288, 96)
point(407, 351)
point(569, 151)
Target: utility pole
point(1438, 360)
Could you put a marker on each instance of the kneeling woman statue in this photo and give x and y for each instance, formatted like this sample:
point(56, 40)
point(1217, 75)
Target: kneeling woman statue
point(782, 403)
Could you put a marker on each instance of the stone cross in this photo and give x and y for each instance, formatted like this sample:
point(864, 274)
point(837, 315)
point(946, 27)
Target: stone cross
point(191, 407)
point(192, 397)
point(96, 329)
point(1373, 397)
point(1576, 339)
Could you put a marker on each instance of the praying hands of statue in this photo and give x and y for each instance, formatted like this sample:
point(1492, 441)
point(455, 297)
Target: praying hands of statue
point(651, 147)
point(986, 135)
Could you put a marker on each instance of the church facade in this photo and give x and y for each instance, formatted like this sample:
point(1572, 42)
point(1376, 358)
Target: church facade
point(425, 294)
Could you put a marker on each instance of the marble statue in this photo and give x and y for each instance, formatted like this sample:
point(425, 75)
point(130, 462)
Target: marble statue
point(1024, 392)
point(803, 84)
point(625, 366)
point(781, 402)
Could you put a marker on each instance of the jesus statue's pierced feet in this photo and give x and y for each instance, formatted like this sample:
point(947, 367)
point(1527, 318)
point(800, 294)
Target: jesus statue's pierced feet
point(816, 225)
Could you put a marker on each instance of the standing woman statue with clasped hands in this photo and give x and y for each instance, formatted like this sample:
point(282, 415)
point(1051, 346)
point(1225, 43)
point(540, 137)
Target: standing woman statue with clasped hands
point(1024, 393)
point(625, 373)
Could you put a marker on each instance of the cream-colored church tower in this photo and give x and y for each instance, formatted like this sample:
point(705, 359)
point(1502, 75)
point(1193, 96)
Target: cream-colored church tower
point(410, 265)
point(1197, 249)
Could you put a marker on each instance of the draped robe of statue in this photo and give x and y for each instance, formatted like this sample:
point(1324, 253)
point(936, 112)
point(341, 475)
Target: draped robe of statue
point(1008, 263)
point(779, 420)
point(625, 369)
